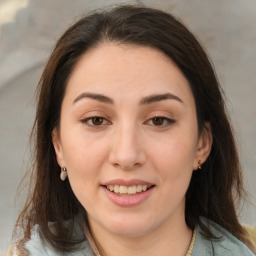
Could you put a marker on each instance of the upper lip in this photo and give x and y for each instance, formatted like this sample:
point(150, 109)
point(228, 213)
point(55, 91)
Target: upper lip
point(127, 182)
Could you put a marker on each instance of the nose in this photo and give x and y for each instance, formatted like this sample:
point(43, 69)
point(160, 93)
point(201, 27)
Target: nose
point(127, 151)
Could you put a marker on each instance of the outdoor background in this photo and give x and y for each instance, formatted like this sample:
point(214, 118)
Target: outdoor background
point(28, 31)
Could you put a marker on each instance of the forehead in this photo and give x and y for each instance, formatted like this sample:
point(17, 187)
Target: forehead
point(129, 70)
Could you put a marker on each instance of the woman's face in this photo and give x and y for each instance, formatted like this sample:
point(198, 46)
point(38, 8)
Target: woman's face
point(128, 123)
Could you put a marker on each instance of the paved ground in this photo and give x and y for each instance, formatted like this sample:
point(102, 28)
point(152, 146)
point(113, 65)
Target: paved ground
point(227, 28)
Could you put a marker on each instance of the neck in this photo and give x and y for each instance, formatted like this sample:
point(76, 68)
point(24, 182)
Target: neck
point(172, 238)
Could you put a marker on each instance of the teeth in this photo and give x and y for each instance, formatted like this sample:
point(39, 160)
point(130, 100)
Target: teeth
point(139, 188)
point(123, 189)
point(116, 188)
point(131, 190)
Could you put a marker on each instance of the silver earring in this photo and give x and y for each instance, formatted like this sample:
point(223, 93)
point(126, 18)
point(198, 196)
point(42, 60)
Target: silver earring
point(63, 174)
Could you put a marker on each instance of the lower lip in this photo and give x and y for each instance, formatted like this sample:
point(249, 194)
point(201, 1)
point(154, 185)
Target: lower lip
point(128, 201)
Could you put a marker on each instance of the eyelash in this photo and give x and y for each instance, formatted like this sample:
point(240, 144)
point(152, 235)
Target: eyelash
point(90, 118)
point(166, 121)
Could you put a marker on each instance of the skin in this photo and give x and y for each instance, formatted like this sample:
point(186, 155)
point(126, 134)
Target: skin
point(127, 143)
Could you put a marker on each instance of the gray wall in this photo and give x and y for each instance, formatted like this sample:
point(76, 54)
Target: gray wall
point(227, 28)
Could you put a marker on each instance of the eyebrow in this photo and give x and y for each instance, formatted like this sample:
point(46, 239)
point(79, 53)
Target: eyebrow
point(159, 97)
point(94, 96)
point(144, 101)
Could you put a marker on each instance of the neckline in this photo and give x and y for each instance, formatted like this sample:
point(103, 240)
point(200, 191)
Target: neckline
point(97, 253)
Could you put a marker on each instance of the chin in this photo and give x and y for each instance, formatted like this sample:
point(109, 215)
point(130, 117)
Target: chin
point(129, 227)
point(128, 232)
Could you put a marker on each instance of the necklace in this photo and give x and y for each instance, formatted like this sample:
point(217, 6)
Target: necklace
point(97, 253)
point(191, 246)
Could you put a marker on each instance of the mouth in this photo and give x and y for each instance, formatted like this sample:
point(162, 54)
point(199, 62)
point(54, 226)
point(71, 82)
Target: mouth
point(133, 190)
point(128, 193)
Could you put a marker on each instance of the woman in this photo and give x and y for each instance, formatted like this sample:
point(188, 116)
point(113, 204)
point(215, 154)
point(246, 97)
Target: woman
point(134, 151)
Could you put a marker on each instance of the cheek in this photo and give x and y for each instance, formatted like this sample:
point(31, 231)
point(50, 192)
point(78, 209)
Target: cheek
point(81, 150)
point(83, 157)
point(84, 164)
point(177, 152)
point(174, 158)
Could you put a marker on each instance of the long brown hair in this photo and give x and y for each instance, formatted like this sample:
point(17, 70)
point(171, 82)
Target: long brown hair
point(212, 192)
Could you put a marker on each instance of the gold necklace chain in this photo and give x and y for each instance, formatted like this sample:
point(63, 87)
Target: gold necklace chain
point(191, 246)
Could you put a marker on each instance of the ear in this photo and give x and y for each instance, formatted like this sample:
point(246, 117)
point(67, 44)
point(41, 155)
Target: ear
point(204, 146)
point(58, 147)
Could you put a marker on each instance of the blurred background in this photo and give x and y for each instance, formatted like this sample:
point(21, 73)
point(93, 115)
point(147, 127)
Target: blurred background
point(28, 31)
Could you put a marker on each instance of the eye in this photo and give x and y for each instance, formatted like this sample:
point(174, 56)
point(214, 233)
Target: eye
point(160, 121)
point(95, 121)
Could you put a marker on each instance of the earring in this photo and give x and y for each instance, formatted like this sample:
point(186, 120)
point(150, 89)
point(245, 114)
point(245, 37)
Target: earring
point(199, 165)
point(63, 174)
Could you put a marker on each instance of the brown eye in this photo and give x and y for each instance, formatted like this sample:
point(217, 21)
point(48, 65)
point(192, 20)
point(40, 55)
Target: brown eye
point(158, 120)
point(97, 120)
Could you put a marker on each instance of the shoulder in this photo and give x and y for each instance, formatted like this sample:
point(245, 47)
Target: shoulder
point(251, 232)
point(226, 245)
point(37, 246)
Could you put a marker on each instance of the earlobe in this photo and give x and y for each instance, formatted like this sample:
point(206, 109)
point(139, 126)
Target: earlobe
point(57, 147)
point(204, 146)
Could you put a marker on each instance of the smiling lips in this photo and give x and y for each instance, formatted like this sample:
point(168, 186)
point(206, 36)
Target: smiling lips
point(128, 193)
point(127, 190)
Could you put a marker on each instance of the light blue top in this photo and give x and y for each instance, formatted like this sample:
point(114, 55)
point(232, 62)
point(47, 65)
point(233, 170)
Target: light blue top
point(228, 245)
